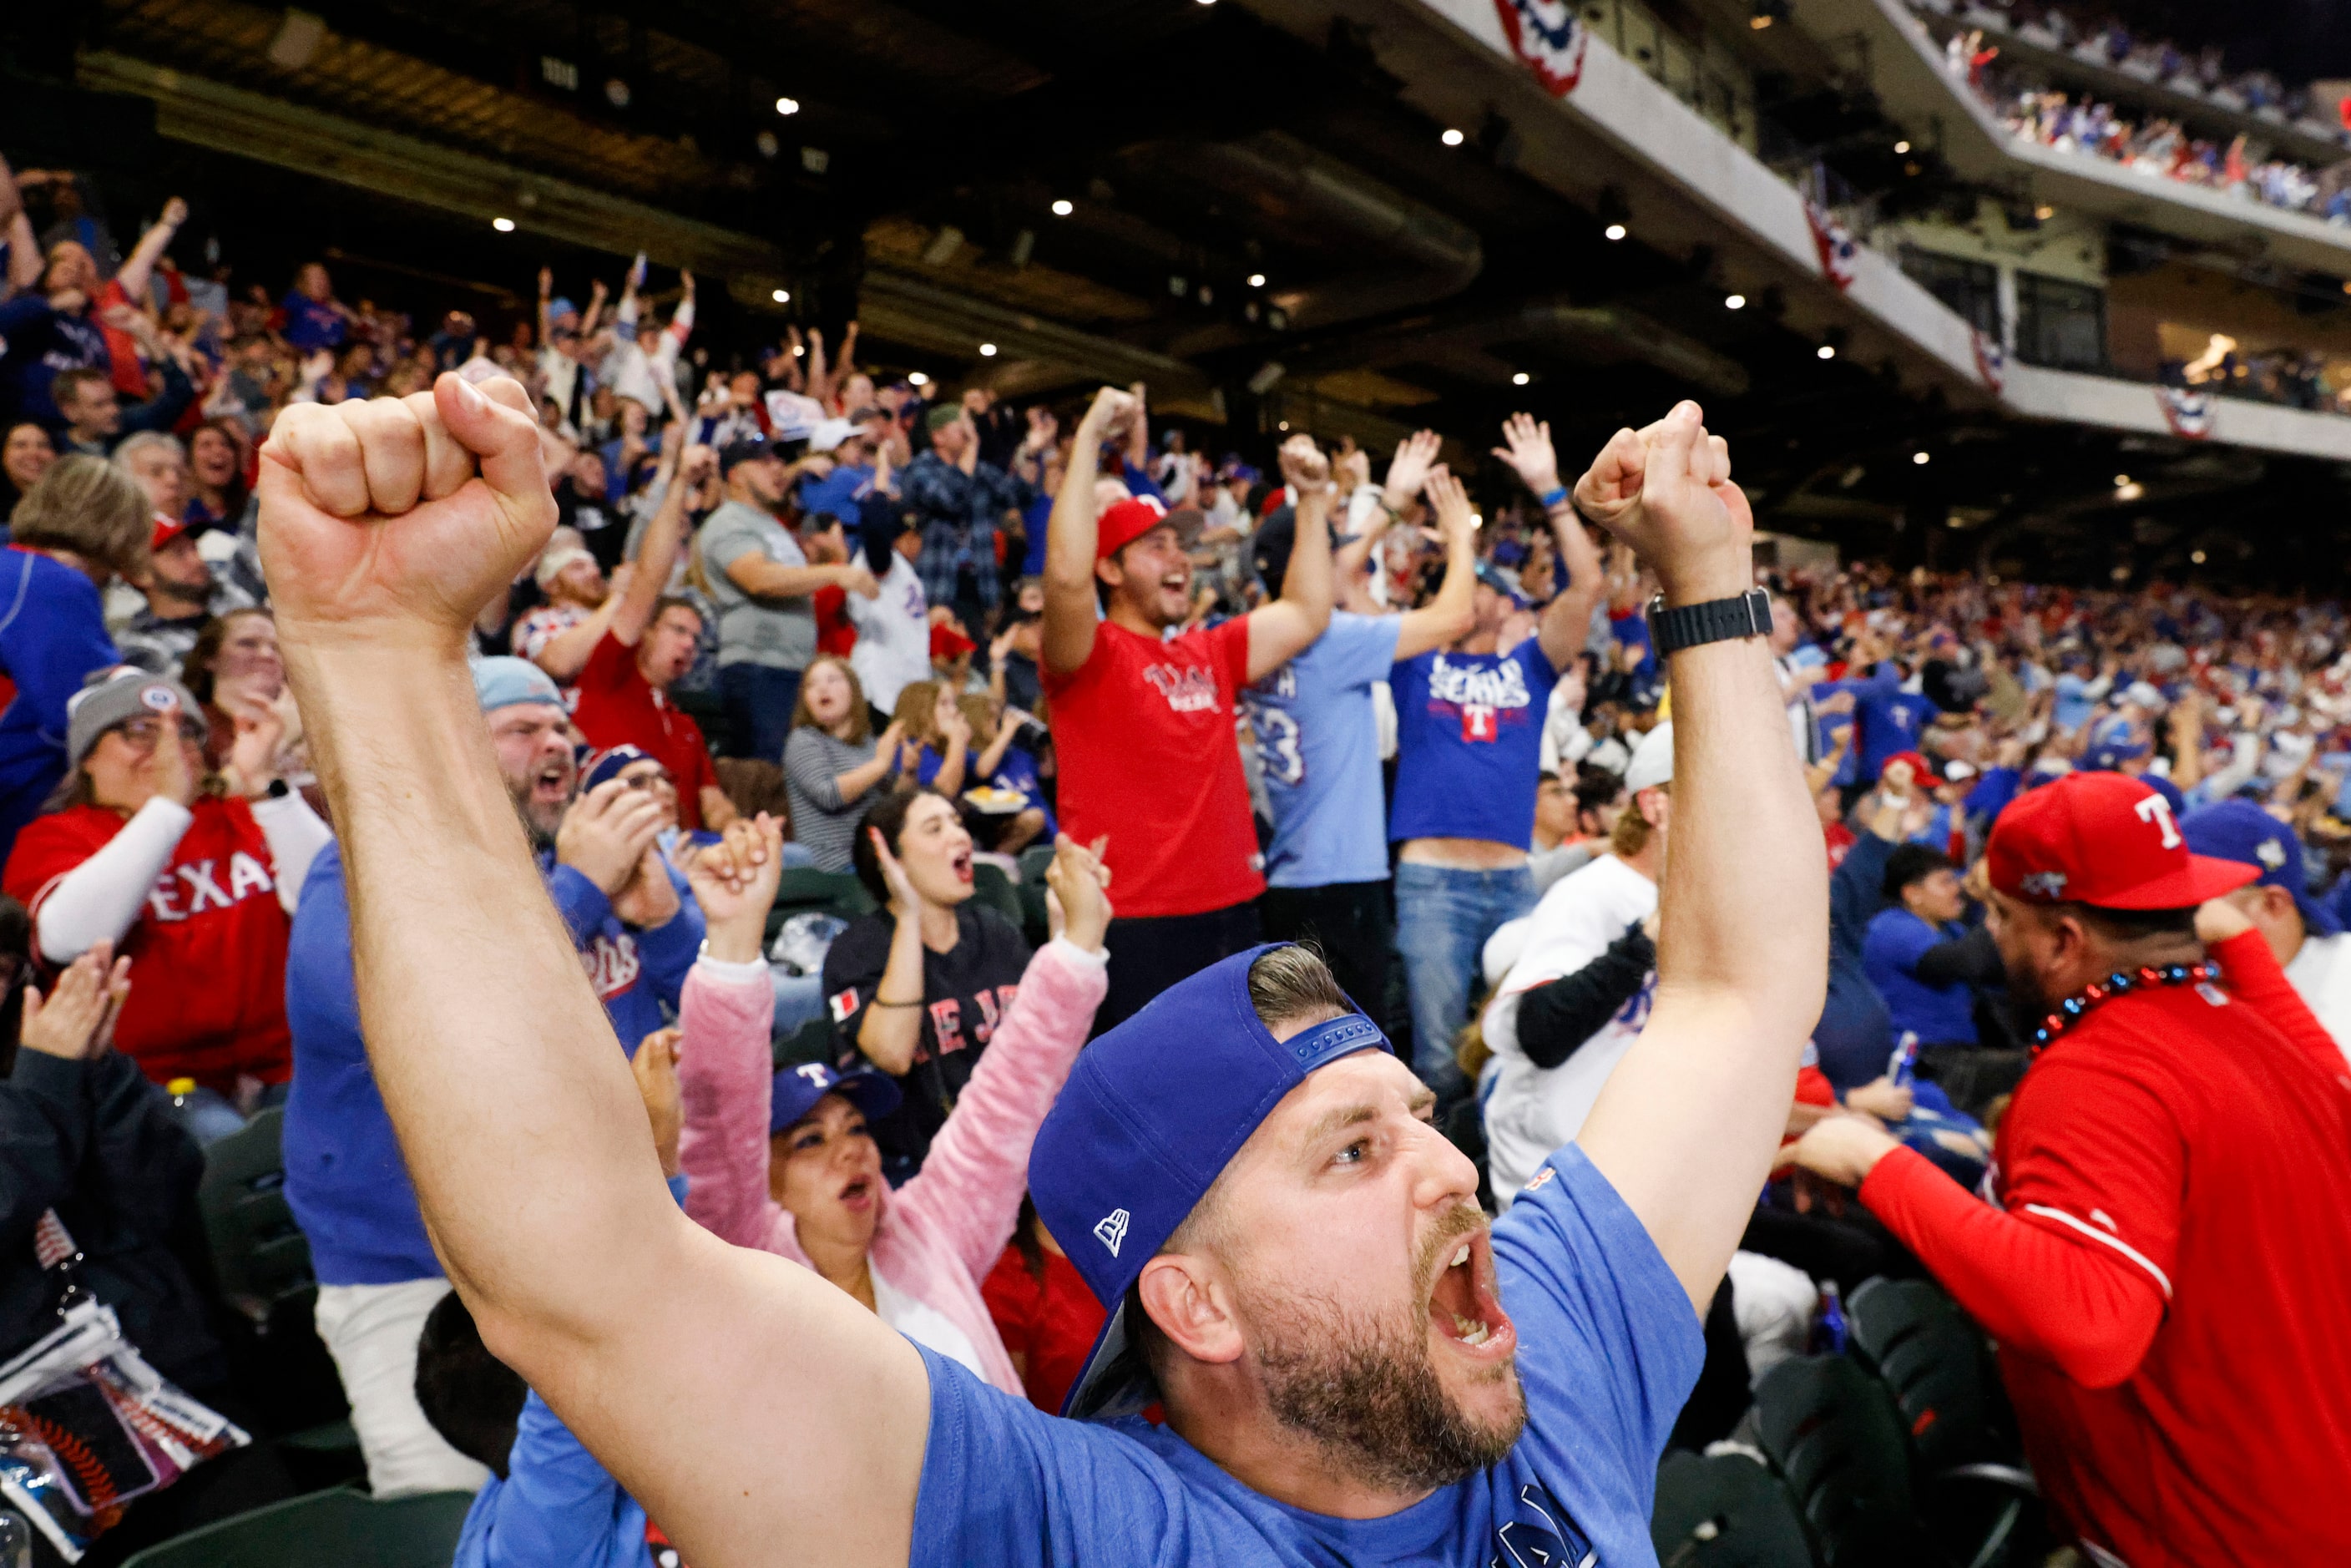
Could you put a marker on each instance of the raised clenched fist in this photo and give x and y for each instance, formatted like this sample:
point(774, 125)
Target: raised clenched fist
point(396, 520)
point(1666, 490)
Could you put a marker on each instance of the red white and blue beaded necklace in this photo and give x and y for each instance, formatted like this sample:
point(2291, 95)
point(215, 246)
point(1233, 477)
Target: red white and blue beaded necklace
point(2078, 1005)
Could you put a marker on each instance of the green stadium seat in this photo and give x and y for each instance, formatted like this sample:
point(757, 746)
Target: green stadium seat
point(993, 888)
point(326, 1529)
point(1833, 1432)
point(261, 1271)
point(1727, 1511)
point(1967, 1462)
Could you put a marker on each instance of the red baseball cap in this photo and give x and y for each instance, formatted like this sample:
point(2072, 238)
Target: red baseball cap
point(1124, 522)
point(1921, 770)
point(166, 529)
point(2105, 840)
point(947, 643)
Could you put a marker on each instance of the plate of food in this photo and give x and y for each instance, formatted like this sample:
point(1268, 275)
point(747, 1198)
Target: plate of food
point(990, 801)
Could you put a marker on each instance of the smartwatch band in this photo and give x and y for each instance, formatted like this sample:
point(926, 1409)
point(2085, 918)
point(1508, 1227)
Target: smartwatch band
point(1715, 621)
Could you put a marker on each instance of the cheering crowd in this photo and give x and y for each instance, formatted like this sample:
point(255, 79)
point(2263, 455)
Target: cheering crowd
point(799, 619)
point(2156, 144)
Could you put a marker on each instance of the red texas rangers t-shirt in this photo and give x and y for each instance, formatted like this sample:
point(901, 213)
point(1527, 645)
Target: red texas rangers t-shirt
point(617, 706)
point(207, 952)
point(1144, 734)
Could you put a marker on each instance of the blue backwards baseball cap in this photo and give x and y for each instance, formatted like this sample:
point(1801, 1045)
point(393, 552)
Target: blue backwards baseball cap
point(503, 680)
point(2109, 756)
point(609, 763)
point(1494, 580)
point(797, 1091)
point(1152, 1114)
point(2241, 832)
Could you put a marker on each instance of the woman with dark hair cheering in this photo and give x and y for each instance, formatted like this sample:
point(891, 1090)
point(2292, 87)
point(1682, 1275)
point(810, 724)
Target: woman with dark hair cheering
point(918, 987)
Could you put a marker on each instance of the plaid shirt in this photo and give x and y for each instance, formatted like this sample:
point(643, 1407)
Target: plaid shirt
point(960, 514)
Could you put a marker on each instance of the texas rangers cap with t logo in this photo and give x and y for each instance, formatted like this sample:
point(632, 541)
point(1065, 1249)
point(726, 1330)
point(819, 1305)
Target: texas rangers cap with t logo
point(1151, 1115)
point(2105, 840)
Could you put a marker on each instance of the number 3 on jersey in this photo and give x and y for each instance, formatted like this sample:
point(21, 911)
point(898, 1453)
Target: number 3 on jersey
point(1276, 745)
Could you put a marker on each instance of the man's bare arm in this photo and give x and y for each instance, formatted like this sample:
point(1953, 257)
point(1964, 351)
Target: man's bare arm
point(1448, 617)
point(1070, 537)
point(1686, 1127)
point(657, 552)
point(1279, 632)
point(770, 1407)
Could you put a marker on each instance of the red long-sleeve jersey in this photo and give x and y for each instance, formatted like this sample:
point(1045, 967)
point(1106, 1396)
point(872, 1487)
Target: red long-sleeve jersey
point(2164, 1269)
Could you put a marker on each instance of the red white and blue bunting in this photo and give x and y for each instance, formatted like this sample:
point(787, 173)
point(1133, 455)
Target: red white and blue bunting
point(1546, 35)
point(1832, 239)
point(1991, 359)
point(2189, 413)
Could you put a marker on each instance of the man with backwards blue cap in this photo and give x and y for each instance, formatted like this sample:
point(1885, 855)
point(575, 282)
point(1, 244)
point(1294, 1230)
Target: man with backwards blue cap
point(2304, 934)
point(1353, 1366)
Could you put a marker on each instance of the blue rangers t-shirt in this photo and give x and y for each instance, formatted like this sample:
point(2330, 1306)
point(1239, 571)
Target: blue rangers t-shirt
point(1608, 1350)
point(1318, 745)
point(1470, 743)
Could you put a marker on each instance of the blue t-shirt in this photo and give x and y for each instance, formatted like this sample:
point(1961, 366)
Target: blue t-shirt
point(2074, 708)
point(836, 493)
point(1939, 1015)
point(1318, 745)
point(1470, 743)
point(1608, 1350)
point(310, 325)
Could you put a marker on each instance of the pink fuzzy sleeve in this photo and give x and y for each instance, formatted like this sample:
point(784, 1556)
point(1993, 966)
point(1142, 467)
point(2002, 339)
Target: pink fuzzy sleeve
point(725, 1078)
point(968, 1192)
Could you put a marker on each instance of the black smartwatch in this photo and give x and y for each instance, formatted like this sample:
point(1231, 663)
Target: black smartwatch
point(1716, 620)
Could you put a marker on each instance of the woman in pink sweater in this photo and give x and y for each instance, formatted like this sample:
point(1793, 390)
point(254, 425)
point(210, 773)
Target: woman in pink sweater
point(812, 1189)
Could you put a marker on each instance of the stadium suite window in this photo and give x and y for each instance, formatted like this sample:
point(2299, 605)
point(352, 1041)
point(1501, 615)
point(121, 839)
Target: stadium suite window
point(2059, 324)
point(1970, 287)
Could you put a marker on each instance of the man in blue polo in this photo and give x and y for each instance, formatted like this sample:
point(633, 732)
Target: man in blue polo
point(636, 932)
point(1294, 1259)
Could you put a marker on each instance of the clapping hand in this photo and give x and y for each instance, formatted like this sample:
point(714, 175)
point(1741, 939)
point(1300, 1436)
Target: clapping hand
point(1077, 892)
point(75, 1022)
point(606, 834)
point(654, 1067)
point(1455, 520)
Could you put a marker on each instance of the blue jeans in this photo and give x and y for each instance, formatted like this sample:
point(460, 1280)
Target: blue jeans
point(760, 701)
point(1443, 918)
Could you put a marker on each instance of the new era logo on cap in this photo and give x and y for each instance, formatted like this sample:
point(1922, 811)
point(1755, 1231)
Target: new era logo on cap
point(2045, 885)
point(1111, 1229)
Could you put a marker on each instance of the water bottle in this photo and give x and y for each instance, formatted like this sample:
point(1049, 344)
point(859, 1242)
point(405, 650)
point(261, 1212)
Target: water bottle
point(1904, 1066)
point(15, 1540)
point(1829, 1328)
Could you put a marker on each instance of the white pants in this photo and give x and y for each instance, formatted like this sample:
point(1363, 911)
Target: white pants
point(371, 1332)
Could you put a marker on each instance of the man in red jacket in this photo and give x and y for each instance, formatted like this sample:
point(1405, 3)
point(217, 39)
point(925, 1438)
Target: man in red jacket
point(2163, 1258)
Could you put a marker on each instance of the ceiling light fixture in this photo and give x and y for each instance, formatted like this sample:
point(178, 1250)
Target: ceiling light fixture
point(1521, 380)
point(1616, 232)
point(1902, 147)
point(1452, 138)
point(781, 297)
point(916, 378)
point(1257, 280)
point(2121, 480)
point(1922, 458)
point(987, 350)
point(2197, 555)
point(1063, 208)
point(1734, 302)
point(788, 106)
point(503, 226)
point(1826, 350)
